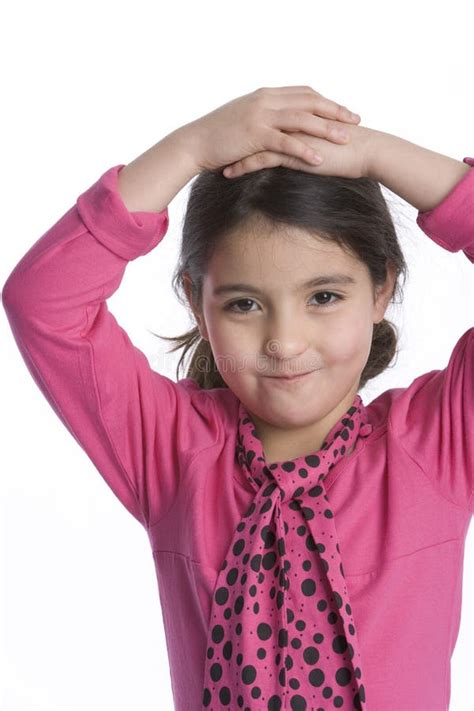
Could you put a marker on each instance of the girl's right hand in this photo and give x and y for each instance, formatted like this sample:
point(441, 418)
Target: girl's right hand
point(257, 122)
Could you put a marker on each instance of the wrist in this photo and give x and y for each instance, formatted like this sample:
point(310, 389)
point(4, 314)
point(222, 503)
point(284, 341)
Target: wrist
point(373, 150)
point(187, 144)
point(152, 180)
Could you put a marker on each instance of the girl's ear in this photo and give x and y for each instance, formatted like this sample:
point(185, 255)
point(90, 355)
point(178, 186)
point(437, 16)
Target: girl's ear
point(187, 286)
point(384, 294)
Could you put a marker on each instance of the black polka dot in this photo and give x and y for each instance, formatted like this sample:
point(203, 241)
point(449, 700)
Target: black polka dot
point(311, 655)
point(269, 560)
point(298, 703)
point(221, 596)
point(238, 546)
point(217, 634)
point(249, 674)
point(339, 644)
point(224, 696)
point(343, 676)
point(216, 671)
point(206, 699)
point(315, 490)
point(239, 604)
point(308, 587)
point(232, 576)
point(316, 677)
point(255, 562)
point(227, 650)
point(264, 631)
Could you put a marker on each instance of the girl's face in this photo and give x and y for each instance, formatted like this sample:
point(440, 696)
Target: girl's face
point(278, 323)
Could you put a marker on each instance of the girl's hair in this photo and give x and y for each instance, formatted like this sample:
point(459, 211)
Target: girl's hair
point(351, 212)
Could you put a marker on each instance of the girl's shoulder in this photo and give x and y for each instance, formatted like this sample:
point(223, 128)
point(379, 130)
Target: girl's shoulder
point(222, 402)
point(432, 419)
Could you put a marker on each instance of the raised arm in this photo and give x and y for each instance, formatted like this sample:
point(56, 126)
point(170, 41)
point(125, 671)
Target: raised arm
point(419, 175)
point(433, 418)
point(137, 426)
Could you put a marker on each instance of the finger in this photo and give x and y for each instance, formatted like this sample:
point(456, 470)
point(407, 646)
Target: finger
point(306, 123)
point(264, 159)
point(250, 164)
point(280, 142)
point(316, 103)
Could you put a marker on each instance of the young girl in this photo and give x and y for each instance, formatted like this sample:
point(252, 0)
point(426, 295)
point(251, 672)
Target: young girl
point(308, 547)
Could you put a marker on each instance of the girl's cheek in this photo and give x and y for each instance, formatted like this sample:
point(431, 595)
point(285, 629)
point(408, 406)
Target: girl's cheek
point(348, 343)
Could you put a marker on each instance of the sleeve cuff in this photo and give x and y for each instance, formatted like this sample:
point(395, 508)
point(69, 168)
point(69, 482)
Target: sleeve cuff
point(451, 223)
point(127, 234)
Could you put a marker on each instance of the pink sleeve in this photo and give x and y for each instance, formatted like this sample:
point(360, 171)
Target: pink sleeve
point(433, 417)
point(137, 426)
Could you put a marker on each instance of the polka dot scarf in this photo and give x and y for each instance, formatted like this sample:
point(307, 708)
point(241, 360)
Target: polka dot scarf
point(281, 633)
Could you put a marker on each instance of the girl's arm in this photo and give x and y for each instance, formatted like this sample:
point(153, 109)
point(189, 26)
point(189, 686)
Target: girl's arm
point(433, 418)
point(420, 176)
point(152, 180)
point(137, 426)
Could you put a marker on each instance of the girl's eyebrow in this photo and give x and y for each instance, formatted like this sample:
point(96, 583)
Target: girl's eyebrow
point(323, 280)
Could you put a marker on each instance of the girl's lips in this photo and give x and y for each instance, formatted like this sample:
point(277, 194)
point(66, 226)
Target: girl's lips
point(293, 378)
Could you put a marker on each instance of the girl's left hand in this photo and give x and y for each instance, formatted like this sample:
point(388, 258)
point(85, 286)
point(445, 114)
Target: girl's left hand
point(349, 159)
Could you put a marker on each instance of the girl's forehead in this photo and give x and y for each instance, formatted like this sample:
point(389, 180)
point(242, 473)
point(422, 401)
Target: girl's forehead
point(281, 253)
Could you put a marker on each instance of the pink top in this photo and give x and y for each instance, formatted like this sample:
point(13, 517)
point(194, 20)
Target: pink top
point(403, 500)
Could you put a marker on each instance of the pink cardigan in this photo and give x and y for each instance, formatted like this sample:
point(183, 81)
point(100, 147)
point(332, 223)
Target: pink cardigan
point(403, 500)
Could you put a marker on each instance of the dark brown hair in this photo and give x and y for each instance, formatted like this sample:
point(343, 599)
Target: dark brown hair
point(349, 211)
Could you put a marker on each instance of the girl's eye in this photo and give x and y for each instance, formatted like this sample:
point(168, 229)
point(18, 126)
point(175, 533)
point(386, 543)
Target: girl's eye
point(230, 306)
point(330, 293)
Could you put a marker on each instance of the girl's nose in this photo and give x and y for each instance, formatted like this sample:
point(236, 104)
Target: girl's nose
point(286, 343)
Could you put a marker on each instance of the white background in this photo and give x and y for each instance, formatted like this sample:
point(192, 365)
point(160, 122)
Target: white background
point(87, 85)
